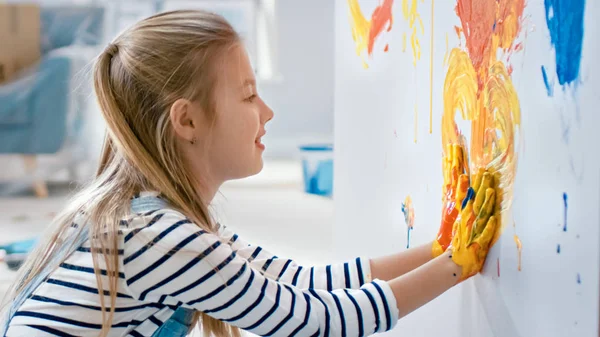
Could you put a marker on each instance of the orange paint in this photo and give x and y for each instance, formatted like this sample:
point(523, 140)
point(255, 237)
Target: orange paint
point(477, 19)
point(519, 249)
point(365, 32)
point(382, 16)
point(478, 88)
point(387, 47)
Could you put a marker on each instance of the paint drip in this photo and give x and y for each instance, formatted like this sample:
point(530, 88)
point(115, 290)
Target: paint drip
point(558, 249)
point(549, 86)
point(578, 278)
point(519, 250)
point(498, 266)
point(565, 197)
point(410, 12)
point(409, 218)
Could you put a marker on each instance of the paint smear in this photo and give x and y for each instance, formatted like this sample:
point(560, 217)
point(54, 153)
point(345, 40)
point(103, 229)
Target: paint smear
point(558, 248)
point(549, 86)
point(565, 197)
point(565, 23)
point(403, 42)
point(365, 32)
point(409, 217)
point(578, 278)
point(415, 24)
point(478, 88)
point(519, 249)
point(387, 48)
point(446, 53)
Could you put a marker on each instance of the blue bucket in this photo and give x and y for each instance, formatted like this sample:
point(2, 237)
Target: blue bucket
point(317, 167)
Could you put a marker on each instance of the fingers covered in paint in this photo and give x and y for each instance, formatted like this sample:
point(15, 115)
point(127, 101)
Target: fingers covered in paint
point(476, 225)
point(456, 183)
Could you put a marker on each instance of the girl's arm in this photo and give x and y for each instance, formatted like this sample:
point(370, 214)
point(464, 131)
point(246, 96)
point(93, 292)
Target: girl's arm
point(186, 266)
point(391, 266)
point(349, 275)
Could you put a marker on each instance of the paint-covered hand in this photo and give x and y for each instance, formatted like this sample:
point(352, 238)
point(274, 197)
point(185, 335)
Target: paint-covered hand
point(476, 225)
point(456, 184)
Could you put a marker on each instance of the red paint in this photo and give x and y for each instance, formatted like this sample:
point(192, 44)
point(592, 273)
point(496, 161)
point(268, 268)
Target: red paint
point(498, 266)
point(519, 46)
point(477, 18)
point(510, 70)
point(387, 47)
point(381, 16)
point(395, 134)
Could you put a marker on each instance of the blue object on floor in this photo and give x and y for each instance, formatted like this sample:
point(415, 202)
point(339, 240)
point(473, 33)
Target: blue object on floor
point(317, 166)
point(16, 252)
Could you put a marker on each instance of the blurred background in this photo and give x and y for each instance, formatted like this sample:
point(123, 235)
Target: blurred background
point(51, 130)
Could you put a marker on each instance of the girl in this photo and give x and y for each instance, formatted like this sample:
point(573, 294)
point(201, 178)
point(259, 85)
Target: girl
point(136, 253)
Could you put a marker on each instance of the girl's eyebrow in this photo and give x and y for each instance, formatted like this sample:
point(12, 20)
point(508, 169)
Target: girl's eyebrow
point(249, 81)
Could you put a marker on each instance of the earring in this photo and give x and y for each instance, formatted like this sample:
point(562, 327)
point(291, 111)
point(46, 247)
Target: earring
point(193, 141)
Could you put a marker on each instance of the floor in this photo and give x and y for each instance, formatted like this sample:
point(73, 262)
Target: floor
point(269, 209)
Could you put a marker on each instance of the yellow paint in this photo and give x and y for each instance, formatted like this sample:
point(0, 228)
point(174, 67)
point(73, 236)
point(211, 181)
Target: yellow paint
point(412, 16)
point(446, 53)
point(478, 89)
point(360, 29)
point(474, 231)
point(519, 249)
point(365, 31)
point(403, 42)
point(431, 74)
point(495, 117)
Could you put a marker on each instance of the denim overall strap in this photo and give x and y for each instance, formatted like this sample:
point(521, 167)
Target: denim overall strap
point(179, 323)
point(66, 249)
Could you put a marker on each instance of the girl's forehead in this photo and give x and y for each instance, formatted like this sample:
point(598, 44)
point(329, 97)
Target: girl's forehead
point(237, 69)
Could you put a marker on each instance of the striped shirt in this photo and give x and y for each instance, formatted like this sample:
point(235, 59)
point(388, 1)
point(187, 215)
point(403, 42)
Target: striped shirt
point(166, 261)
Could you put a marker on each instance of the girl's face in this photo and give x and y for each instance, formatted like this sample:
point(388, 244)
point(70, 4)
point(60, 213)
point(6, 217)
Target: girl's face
point(234, 147)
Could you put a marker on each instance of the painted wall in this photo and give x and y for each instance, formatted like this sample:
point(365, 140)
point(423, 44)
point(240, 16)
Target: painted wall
point(398, 101)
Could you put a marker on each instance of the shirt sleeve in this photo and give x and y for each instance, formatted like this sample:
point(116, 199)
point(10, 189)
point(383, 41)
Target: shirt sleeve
point(349, 275)
point(173, 260)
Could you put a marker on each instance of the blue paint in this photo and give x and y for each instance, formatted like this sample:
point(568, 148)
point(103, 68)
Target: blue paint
point(549, 86)
point(566, 207)
point(406, 212)
point(470, 195)
point(565, 23)
point(558, 249)
point(578, 278)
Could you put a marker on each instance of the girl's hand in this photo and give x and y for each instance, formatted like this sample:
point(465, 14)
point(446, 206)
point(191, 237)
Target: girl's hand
point(456, 184)
point(476, 226)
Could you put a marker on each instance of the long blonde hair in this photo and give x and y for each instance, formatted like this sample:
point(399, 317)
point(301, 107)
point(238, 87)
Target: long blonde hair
point(137, 78)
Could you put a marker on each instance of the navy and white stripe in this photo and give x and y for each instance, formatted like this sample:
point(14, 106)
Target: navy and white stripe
point(170, 262)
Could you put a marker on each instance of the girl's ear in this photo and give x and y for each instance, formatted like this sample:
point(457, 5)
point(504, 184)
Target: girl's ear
point(182, 118)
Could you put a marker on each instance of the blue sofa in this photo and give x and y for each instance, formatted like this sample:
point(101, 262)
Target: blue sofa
point(34, 107)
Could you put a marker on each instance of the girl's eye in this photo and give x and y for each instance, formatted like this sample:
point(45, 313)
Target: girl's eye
point(251, 98)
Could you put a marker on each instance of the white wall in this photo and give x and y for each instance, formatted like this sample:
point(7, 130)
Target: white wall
point(377, 164)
